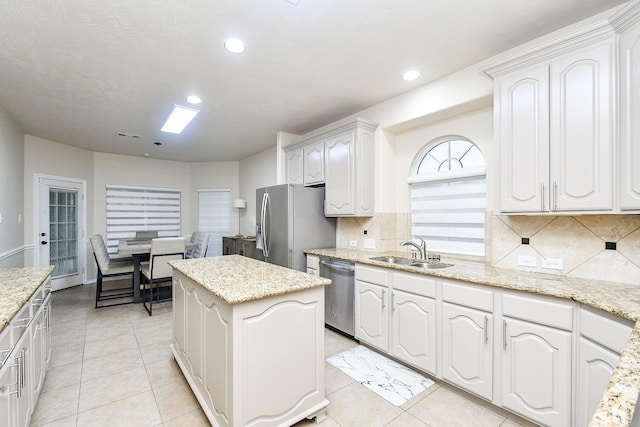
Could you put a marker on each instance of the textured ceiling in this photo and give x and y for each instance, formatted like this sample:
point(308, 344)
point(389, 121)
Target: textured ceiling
point(81, 71)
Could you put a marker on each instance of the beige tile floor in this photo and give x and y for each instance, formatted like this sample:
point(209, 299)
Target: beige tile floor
point(113, 367)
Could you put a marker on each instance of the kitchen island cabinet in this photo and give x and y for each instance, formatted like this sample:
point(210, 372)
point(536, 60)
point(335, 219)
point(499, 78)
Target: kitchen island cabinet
point(249, 339)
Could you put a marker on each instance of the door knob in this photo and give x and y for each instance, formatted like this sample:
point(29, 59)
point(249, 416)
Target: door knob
point(43, 242)
point(43, 234)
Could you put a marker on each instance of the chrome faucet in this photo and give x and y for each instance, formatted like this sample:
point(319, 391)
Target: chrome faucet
point(422, 247)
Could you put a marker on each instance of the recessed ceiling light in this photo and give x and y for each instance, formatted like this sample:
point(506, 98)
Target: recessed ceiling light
point(179, 119)
point(411, 75)
point(234, 45)
point(193, 99)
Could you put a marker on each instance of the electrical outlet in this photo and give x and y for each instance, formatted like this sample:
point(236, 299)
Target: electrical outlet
point(369, 243)
point(527, 261)
point(353, 243)
point(552, 263)
point(19, 218)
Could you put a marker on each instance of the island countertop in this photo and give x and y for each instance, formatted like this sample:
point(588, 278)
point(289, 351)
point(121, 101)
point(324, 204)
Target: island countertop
point(619, 401)
point(236, 278)
point(17, 285)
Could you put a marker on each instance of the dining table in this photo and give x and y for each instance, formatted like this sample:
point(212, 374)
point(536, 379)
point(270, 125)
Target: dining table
point(139, 250)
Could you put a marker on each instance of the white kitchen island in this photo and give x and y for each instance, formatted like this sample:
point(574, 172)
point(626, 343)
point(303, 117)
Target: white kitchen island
point(249, 338)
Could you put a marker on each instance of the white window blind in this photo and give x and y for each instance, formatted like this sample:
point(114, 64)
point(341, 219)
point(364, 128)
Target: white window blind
point(131, 209)
point(450, 215)
point(214, 217)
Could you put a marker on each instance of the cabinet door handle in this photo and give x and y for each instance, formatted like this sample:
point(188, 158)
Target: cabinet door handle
point(504, 334)
point(555, 196)
point(383, 295)
point(393, 304)
point(486, 332)
point(542, 197)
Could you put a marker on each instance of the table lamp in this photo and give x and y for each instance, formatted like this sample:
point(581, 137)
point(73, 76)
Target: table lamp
point(239, 204)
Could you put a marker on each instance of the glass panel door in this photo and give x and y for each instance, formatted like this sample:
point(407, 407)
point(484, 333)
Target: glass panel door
point(63, 231)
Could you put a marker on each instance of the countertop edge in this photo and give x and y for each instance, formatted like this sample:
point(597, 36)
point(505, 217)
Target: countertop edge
point(254, 289)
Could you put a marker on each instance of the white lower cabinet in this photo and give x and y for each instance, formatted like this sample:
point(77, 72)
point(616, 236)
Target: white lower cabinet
point(372, 314)
point(15, 385)
point(25, 352)
point(537, 358)
point(536, 372)
point(413, 332)
point(467, 350)
point(602, 339)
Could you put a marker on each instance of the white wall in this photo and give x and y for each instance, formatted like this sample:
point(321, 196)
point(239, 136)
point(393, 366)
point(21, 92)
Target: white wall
point(51, 158)
point(257, 171)
point(11, 192)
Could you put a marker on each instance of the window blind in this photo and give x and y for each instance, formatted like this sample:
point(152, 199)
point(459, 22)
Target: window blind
point(450, 215)
point(214, 217)
point(131, 209)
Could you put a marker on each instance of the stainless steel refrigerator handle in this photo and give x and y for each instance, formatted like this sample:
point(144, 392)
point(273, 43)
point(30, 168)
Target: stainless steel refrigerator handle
point(265, 237)
point(340, 267)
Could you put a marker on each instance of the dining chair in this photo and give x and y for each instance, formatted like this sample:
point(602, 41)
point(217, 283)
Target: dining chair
point(147, 234)
point(201, 249)
point(158, 271)
point(110, 267)
point(194, 239)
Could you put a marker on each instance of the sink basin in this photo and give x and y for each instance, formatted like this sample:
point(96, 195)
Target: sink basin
point(429, 265)
point(393, 260)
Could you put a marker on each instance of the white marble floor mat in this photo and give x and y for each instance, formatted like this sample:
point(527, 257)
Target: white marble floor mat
point(391, 380)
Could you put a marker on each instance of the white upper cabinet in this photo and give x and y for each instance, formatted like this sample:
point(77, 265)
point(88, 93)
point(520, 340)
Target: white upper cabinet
point(341, 158)
point(629, 113)
point(581, 127)
point(295, 167)
point(314, 163)
point(555, 132)
point(522, 116)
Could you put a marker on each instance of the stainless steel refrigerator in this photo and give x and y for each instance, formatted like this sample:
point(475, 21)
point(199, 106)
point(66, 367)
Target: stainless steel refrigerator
point(290, 218)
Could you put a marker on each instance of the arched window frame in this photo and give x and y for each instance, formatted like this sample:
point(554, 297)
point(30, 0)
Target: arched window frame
point(448, 207)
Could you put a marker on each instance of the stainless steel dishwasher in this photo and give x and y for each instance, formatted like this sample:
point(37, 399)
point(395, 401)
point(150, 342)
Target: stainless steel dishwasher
point(339, 295)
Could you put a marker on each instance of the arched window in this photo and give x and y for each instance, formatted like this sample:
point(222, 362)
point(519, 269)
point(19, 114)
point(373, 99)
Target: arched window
point(448, 196)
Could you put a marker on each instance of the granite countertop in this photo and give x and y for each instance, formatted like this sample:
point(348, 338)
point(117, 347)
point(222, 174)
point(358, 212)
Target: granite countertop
point(17, 285)
point(236, 279)
point(619, 401)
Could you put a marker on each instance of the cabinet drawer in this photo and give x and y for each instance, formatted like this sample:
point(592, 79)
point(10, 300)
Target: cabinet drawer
point(604, 328)
point(414, 283)
point(544, 311)
point(313, 262)
point(468, 296)
point(374, 275)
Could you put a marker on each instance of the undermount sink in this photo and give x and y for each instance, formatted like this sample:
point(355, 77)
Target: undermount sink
point(393, 260)
point(430, 265)
point(410, 262)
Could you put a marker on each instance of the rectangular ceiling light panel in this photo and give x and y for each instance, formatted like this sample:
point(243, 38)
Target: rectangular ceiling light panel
point(179, 119)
